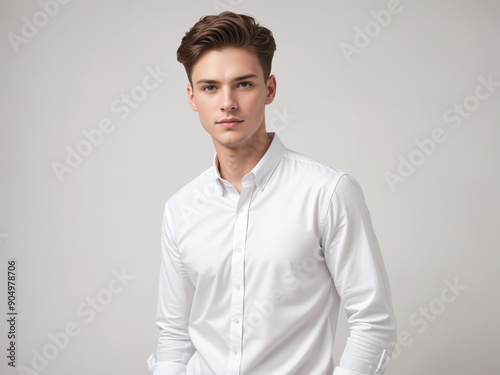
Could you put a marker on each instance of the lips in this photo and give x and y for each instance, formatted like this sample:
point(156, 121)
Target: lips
point(229, 122)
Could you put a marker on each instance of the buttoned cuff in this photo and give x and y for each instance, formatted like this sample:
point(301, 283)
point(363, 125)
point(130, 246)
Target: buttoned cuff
point(165, 368)
point(382, 365)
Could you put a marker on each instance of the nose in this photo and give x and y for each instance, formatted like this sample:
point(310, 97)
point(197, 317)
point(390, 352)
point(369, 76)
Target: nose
point(228, 101)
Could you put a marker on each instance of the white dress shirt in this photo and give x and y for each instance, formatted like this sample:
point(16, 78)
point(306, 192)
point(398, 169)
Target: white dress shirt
point(251, 283)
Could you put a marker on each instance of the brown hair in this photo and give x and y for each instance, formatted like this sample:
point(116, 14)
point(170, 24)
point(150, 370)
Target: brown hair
point(227, 29)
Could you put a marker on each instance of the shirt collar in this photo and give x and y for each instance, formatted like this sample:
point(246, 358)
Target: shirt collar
point(264, 168)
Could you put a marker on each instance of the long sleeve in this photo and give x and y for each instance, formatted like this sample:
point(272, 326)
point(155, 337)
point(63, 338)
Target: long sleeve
point(355, 262)
point(175, 298)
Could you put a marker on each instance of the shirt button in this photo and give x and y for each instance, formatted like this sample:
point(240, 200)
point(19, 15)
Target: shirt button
point(242, 210)
point(237, 287)
point(236, 320)
point(261, 182)
point(235, 351)
point(239, 249)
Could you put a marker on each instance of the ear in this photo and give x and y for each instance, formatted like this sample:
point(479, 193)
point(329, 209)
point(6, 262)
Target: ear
point(271, 89)
point(190, 94)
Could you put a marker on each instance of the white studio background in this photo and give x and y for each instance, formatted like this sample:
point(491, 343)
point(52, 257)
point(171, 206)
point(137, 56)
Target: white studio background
point(401, 102)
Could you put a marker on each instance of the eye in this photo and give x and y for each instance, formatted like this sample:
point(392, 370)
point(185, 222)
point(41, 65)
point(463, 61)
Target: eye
point(208, 88)
point(245, 84)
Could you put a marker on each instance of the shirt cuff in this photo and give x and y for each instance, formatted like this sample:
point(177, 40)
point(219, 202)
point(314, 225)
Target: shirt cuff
point(165, 368)
point(382, 365)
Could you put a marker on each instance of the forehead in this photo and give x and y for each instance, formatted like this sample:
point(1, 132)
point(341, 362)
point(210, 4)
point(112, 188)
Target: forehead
point(225, 64)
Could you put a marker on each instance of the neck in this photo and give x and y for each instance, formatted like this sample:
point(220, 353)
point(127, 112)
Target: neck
point(236, 162)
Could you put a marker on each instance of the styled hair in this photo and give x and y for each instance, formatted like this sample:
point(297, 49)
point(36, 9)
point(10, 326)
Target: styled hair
point(227, 29)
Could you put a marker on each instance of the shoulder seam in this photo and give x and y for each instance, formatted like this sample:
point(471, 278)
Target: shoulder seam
point(328, 201)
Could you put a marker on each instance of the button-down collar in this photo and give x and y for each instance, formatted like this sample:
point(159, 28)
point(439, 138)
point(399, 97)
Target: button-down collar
point(262, 171)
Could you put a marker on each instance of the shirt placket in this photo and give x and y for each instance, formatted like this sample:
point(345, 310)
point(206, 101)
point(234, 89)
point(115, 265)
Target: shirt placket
point(238, 281)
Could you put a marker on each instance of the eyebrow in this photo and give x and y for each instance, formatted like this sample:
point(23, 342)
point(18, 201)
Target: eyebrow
point(241, 78)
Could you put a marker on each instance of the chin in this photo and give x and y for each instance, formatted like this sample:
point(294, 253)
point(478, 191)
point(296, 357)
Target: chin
point(230, 138)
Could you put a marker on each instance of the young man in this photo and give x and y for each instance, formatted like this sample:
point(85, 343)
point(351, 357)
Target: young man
point(260, 250)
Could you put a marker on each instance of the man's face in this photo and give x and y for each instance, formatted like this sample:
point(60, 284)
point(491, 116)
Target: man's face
point(229, 84)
